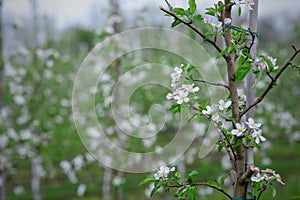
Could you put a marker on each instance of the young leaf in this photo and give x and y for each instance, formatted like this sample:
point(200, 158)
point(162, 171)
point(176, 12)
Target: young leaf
point(226, 51)
point(269, 63)
point(220, 147)
point(180, 12)
point(175, 23)
point(193, 6)
point(154, 190)
point(193, 173)
point(239, 11)
point(210, 11)
point(176, 108)
point(213, 183)
point(198, 17)
point(258, 77)
point(242, 71)
point(222, 180)
point(178, 175)
point(147, 180)
point(273, 191)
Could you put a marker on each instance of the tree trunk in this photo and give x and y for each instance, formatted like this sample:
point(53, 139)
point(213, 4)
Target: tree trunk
point(106, 186)
point(35, 41)
point(36, 163)
point(2, 184)
point(240, 162)
point(253, 14)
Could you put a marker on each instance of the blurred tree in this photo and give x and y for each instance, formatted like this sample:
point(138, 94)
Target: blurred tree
point(2, 171)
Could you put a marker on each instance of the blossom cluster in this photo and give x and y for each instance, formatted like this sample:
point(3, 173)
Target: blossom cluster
point(265, 175)
point(261, 64)
point(254, 128)
point(163, 173)
point(181, 90)
point(215, 116)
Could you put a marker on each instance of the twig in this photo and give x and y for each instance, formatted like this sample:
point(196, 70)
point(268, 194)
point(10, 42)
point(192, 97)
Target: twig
point(169, 5)
point(230, 154)
point(252, 40)
point(215, 84)
point(270, 86)
point(203, 184)
point(269, 75)
point(194, 28)
point(260, 193)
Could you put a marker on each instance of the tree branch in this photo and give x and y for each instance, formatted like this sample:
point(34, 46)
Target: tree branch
point(270, 86)
point(194, 28)
point(230, 153)
point(203, 184)
point(246, 175)
point(211, 83)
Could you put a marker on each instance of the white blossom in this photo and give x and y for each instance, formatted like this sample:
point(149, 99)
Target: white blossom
point(163, 173)
point(240, 129)
point(190, 88)
point(213, 21)
point(208, 111)
point(257, 177)
point(117, 181)
point(215, 117)
point(81, 190)
point(257, 134)
point(252, 125)
point(222, 105)
point(181, 96)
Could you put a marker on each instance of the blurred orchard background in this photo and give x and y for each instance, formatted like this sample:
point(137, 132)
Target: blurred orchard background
point(43, 43)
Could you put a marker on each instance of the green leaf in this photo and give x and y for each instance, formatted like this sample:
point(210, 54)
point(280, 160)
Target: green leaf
point(273, 191)
point(193, 173)
point(239, 11)
point(193, 6)
point(220, 147)
point(198, 17)
point(242, 71)
point(147, 180)
point(210, 11)
point(269, 63)
point(180, 192)
point(246, 54)
point(176, 108)
point(222, 180)
point(258, 77)
point(241, 60)
point(213, 183)
point(180, 11)
point(227, 50)
point(221, 8)
point(191, 193)
point(154, 190)
point(178, 175)
point(175, 23)
point(190, 67)
point(238, 142)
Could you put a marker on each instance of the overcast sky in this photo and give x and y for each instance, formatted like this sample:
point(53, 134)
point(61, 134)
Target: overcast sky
point(80, 12)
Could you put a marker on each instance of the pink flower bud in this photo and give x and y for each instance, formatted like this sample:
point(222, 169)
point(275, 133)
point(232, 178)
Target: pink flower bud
point(255, 169)
point(170, 96)
point(227, 21)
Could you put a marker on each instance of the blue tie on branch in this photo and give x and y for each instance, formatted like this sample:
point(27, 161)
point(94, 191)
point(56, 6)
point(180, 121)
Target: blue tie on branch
point(239, 29)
